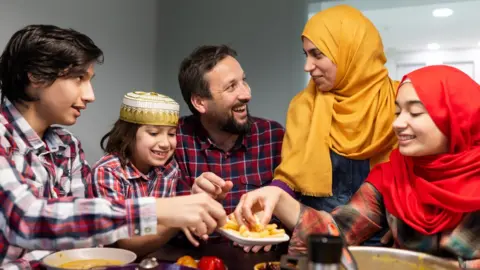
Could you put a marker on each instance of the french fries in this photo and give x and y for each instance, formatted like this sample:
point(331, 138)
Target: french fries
point(257, 231)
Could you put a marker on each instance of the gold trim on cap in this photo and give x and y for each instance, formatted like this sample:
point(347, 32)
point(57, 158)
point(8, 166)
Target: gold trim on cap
point(149, 108)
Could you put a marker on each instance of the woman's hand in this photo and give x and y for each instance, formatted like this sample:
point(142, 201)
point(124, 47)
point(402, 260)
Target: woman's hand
point(263, 199)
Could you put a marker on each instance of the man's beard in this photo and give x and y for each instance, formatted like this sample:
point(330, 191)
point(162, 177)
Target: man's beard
point(230, 125)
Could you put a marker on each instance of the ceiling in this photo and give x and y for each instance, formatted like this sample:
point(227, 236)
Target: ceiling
point(407, 25)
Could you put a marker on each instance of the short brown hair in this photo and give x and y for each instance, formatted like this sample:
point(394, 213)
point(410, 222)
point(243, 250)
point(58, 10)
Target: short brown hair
point(121, 140)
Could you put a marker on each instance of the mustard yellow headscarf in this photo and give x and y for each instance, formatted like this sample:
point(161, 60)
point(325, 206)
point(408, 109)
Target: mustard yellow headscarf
point(354, 119)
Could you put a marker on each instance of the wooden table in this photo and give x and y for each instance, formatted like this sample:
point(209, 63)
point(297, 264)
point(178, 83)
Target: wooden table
point(234, 257)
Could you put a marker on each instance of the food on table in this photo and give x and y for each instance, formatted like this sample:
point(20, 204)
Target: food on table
point(257, 231)
point(268, 266)
point(211, 263)
point(87, 264)
point(187, 261)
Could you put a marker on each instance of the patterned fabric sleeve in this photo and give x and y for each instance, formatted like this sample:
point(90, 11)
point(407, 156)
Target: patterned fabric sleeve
point(106, 183)
point(357, 221)
point(34, 223)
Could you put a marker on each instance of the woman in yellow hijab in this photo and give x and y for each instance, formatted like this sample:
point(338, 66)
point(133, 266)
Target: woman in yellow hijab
point(340, 124)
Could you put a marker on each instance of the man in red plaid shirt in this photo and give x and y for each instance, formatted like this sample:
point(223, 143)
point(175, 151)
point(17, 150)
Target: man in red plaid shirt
point(45, 79)
point(221, 149)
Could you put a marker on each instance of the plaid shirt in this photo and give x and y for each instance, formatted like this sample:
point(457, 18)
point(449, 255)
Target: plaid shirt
point(249, 164)
point(36, 178)
point(365, 215)
point(111, 180)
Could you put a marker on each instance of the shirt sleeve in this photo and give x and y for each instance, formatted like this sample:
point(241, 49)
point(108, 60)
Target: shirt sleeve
point(64, 223)
point(107, 183)
point(357, 221)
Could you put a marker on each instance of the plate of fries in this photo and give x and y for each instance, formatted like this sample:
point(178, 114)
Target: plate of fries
point(258, 235)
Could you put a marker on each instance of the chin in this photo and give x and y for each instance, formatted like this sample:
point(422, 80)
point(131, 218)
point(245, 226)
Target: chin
point(158, 163)
point(409, 152)
point(67, 122)
point(324, 88)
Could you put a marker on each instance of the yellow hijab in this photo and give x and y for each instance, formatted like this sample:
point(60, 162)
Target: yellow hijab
point(354, 119)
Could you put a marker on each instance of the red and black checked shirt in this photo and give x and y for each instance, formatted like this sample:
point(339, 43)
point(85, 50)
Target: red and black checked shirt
point(111, 180)
point(37, 180)
point(249, 164)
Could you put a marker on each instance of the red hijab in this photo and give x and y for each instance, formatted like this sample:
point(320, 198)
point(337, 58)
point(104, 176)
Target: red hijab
point(432, 193)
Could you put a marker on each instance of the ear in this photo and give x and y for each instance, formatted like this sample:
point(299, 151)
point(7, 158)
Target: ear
point(34, 82)
point(199, 103)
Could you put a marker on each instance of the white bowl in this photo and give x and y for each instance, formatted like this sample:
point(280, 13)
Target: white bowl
point(54, 260)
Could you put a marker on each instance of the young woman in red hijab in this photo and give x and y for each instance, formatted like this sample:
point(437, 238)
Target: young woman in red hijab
point(428, 194)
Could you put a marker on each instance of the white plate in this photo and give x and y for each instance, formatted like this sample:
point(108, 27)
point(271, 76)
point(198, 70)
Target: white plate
point(236, 237)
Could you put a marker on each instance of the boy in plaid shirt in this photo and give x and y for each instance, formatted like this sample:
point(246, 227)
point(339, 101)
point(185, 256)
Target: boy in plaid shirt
point(45, 74)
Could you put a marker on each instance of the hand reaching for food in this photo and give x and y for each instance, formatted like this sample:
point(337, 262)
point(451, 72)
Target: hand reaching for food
point(256, 230)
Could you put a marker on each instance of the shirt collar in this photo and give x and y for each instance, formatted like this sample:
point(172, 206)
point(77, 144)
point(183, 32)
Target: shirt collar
point(131, 172)
point(22, 128)
point(206, 142)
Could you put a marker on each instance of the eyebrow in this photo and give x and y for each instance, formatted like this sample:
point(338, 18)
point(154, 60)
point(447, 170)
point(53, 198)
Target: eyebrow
point(314, 50)
point(411, 102)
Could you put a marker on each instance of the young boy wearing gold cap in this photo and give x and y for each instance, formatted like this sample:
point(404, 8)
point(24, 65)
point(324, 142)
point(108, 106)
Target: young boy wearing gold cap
point(138, 160)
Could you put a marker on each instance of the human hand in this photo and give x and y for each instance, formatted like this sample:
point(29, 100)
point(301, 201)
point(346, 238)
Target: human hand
point(213, 185)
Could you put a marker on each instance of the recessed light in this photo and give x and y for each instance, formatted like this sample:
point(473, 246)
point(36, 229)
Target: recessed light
point(433, 46)
point(442, 12)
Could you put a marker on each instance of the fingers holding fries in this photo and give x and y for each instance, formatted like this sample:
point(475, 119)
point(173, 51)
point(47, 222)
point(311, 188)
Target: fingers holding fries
point(258, 230)
point(264, 199)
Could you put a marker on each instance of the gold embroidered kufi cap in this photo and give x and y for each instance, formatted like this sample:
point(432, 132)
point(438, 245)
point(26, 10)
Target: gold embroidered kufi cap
point(149, 108)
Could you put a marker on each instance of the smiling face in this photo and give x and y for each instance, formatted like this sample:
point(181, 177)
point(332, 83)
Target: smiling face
point(322, 70)
point(154, 146)
point(416, 132)
point(230, 94)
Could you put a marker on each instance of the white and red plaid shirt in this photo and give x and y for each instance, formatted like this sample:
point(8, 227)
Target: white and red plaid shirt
point(38, 182)
point(112, 180)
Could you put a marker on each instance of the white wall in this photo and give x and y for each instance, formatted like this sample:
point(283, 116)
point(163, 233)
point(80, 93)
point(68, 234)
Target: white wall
point(266, 35)
point(124, 29)
point(467, 60)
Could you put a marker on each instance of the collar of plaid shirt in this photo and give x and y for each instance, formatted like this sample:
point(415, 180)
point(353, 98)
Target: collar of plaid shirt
point(206, 142)
point(15, 123)
point(131, 172)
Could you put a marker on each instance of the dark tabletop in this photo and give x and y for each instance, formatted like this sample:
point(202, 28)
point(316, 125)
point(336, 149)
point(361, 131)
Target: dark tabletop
point(233, 257)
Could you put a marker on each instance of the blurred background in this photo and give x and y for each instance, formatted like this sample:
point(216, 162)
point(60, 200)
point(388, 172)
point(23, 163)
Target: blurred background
point(145, 41)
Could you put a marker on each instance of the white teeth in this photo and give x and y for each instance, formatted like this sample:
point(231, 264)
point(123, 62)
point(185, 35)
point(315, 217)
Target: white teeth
point(406, 137)
point(241, 109)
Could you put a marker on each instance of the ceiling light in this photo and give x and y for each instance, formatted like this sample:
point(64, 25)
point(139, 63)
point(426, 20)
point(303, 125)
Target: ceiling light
point(433, 46)
point(442, 12)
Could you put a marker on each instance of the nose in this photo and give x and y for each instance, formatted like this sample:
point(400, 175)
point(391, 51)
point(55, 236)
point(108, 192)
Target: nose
point(245, 93)
point(87, 93)
point(309, 66)
point(163, 142)
point(400, 122)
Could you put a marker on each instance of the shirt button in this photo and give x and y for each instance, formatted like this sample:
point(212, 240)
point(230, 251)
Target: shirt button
point(137, 231)
point(148, 230)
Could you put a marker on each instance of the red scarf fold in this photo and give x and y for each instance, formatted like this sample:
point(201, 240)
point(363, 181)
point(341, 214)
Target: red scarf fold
point(431, 194)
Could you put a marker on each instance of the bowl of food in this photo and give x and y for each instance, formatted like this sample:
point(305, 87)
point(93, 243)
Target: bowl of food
point(88, 258)
point(267, 266)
